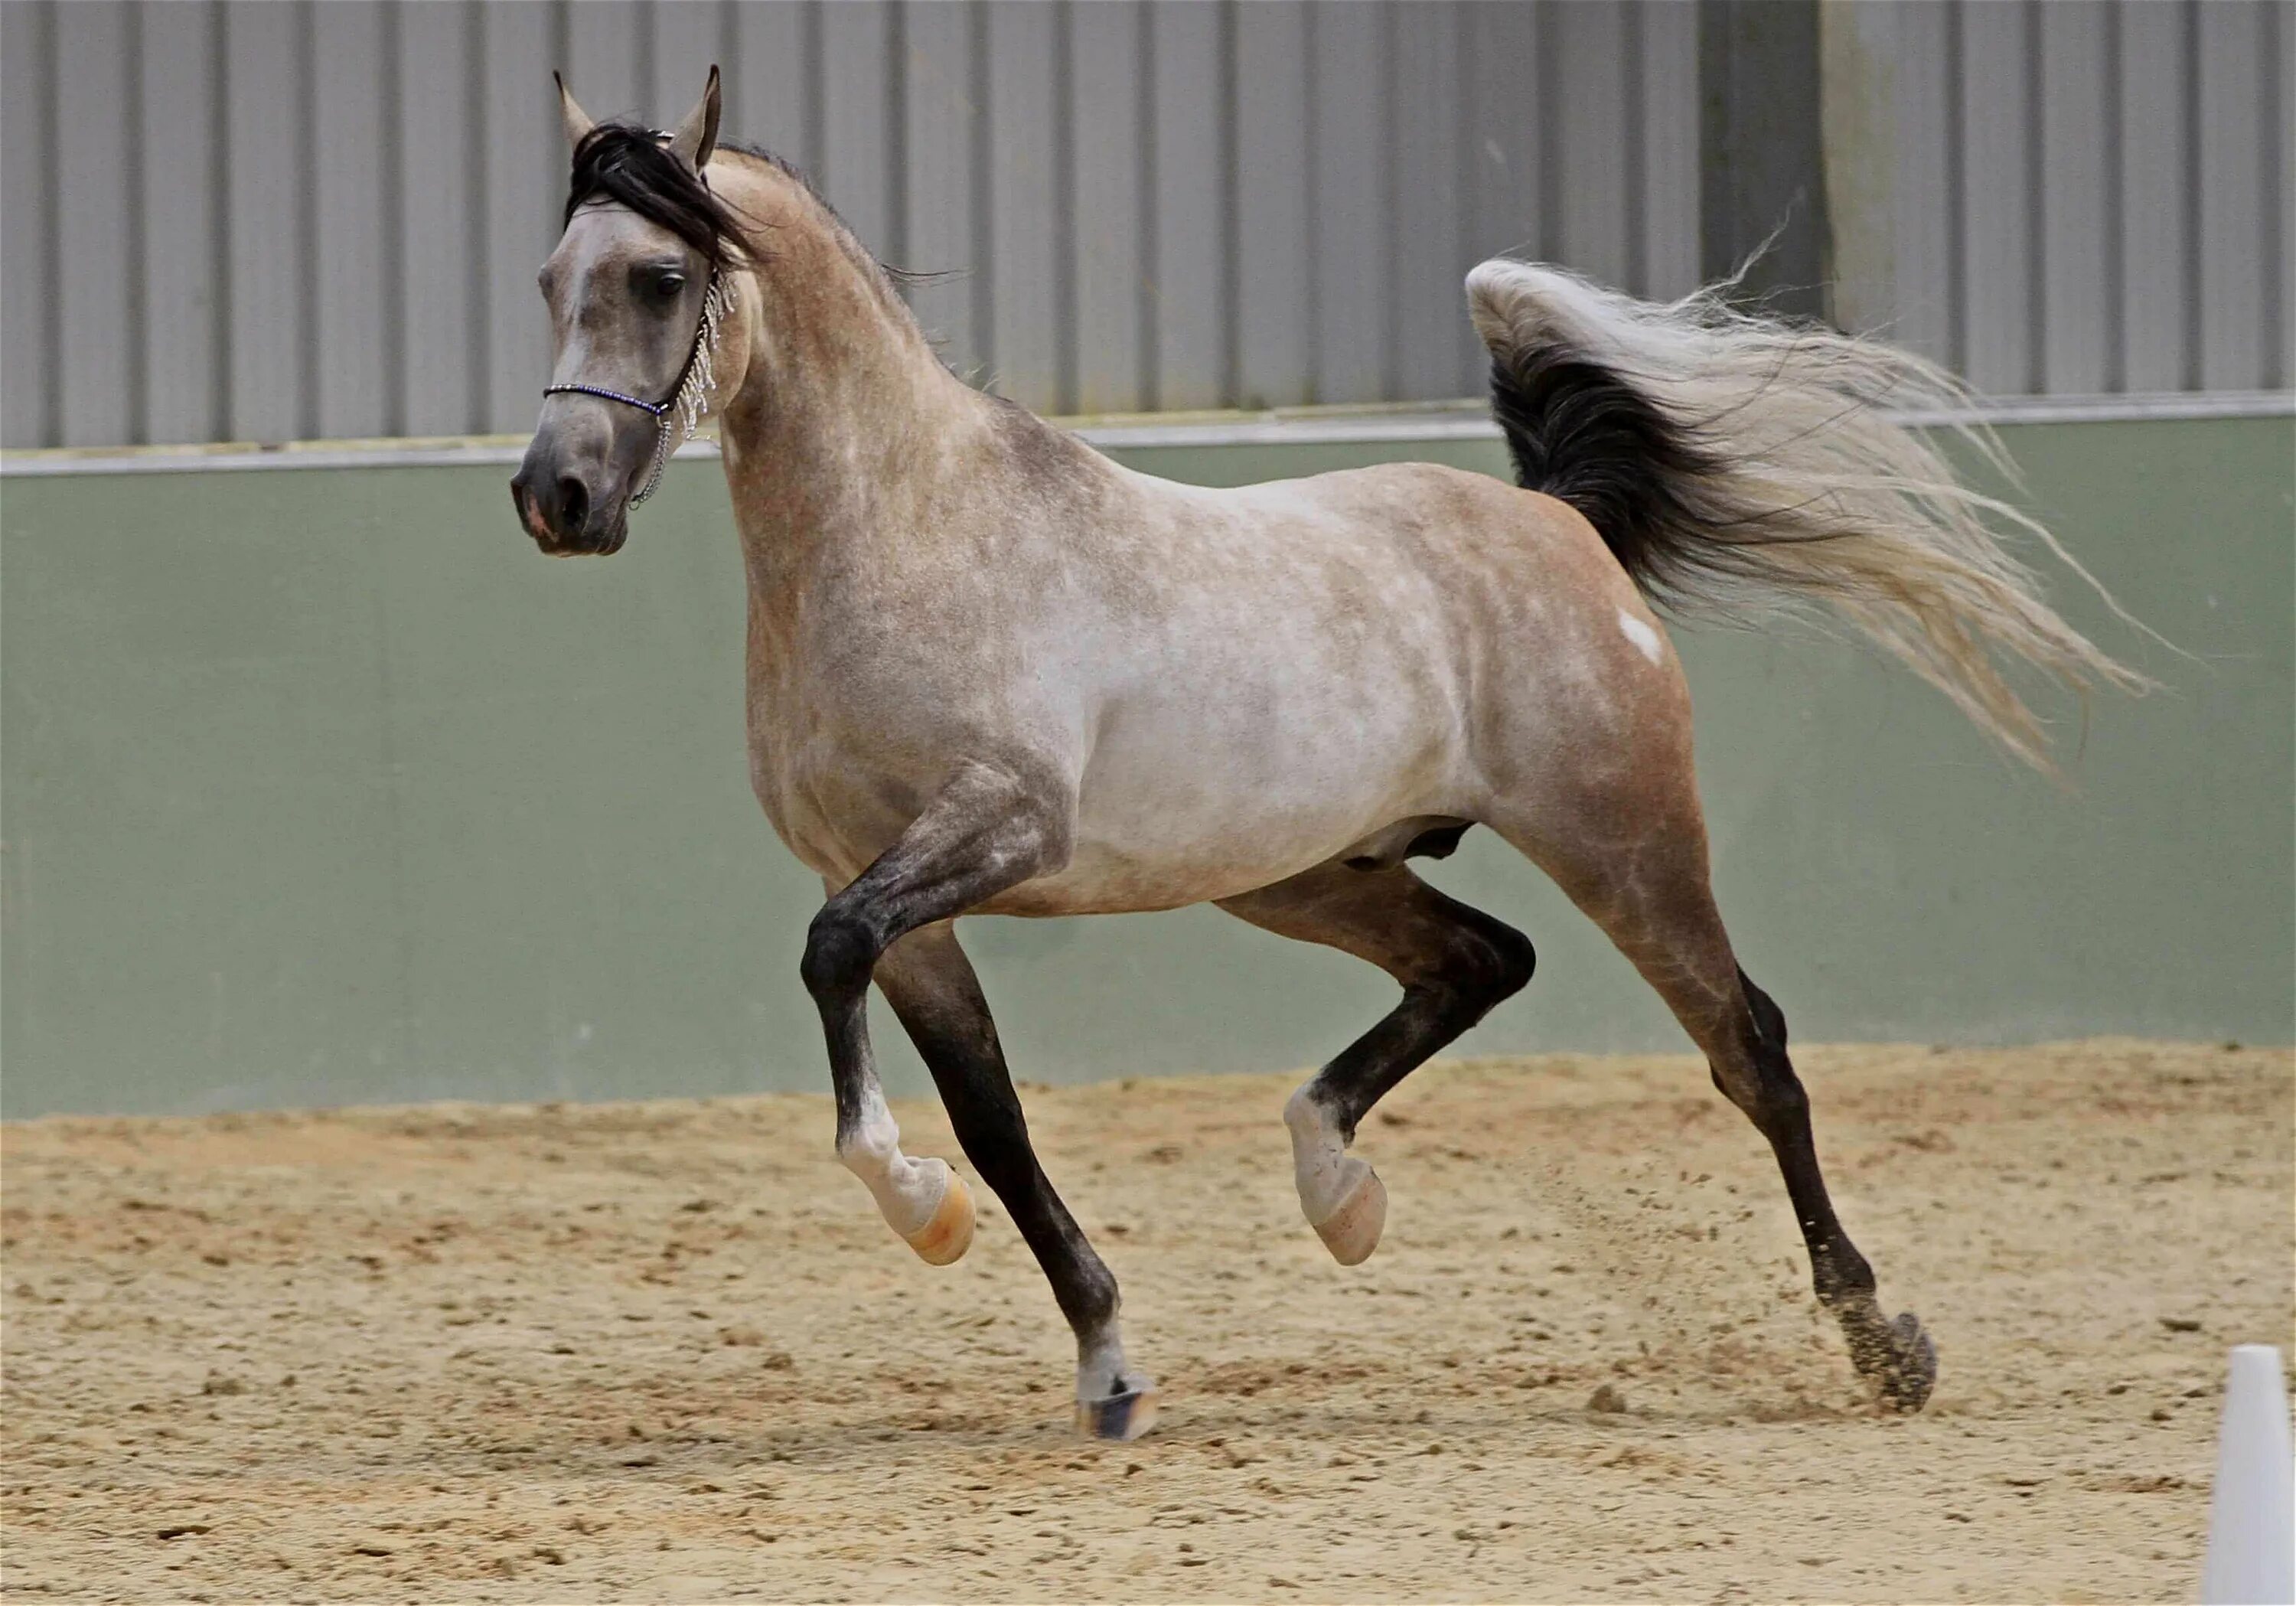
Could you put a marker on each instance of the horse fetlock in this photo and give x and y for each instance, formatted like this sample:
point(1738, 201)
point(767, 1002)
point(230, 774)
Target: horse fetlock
point(1843, 1277)
point(1112, 1401)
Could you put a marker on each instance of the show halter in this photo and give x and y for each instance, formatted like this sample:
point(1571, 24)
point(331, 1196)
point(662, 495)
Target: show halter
point(697, 382)
point(696, 386)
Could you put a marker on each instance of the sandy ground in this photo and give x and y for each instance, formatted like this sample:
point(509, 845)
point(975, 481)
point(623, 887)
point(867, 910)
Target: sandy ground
point(667, 1351)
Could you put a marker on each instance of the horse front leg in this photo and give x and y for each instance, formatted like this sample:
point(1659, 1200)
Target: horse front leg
point(990, 829)
point(931, 987)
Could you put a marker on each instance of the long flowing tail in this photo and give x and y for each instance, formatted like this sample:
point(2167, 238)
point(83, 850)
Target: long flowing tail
point(1735, 463)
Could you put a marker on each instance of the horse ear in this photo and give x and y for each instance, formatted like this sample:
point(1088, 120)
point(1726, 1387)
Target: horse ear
point(697, 135)
point(578, 122)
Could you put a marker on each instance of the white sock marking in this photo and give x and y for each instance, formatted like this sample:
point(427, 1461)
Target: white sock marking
point(908, 1191)
point(1099, 1363)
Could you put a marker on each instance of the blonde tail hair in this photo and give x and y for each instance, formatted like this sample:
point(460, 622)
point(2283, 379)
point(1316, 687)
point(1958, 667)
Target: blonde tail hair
point(1735, 462)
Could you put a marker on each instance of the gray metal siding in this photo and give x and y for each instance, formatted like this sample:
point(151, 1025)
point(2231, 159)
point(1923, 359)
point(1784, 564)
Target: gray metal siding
point(2090, 195)
point(273, 218)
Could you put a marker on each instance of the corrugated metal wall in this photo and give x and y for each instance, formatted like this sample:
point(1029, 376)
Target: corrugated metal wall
point(259, 219)
point(271, 218)
point(2071, 197)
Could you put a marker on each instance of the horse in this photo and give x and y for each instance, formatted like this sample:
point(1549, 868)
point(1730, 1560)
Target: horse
point(990, 670)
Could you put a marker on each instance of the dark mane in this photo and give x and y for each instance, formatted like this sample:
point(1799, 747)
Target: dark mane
point(620, 161)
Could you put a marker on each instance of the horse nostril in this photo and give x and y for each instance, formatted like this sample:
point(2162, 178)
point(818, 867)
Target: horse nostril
point(573, 503)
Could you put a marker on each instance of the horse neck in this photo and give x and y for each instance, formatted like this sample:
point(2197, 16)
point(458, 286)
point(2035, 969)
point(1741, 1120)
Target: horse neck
point(843, 403)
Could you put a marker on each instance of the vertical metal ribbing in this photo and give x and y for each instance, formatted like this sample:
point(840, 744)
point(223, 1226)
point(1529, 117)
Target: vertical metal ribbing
point(2188, 44)
point(478, 307)
point(895, 246)
point(2272, 201)
point(815, 159)
point(391, 161)
point(51, 225)
point(2114, 329)
point(1637, 189)
point(1956, 167)
point(1143, 111)
point(1312, 271)
point(1066, 364)
point(1390, 246)
point(2036, 256)
point(134, 180)
point(641, 72)
point(1547, 69)
point(306, 92)
point(1464, 155)
point(1231, 336)
point(984, 265)
point(219, 387)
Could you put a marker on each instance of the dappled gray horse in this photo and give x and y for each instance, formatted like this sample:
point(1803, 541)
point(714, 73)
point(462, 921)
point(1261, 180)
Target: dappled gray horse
point(991, 670)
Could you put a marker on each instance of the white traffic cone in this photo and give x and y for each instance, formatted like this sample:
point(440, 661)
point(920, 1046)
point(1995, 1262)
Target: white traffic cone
point(2253, 1518)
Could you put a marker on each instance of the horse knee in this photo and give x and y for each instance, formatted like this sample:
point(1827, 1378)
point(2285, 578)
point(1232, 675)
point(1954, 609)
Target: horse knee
point(840, 953)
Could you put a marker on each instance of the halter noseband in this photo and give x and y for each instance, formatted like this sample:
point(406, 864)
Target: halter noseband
point(696, 385)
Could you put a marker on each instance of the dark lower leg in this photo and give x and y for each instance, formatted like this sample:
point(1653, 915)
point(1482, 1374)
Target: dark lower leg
point(933, 990)
point(1663, 918)
point(1897, 1356)
point(1456, 964)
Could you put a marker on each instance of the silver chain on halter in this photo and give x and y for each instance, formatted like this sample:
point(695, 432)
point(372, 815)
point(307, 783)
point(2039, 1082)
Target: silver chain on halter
point(697, 385)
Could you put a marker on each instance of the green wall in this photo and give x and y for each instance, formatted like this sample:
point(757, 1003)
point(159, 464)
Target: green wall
point(322, 787)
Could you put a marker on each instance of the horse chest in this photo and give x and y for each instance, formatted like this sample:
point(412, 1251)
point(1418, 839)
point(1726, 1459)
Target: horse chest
point(839, 776)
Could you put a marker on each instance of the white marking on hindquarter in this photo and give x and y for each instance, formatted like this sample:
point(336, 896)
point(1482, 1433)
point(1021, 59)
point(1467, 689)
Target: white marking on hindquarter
point(908, 1191)
point(1641, 635)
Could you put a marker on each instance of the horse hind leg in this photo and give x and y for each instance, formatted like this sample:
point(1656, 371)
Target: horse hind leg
point(1651, 896)
point(1456, 964)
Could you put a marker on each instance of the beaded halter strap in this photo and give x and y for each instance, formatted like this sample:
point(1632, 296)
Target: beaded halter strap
point(690, 396)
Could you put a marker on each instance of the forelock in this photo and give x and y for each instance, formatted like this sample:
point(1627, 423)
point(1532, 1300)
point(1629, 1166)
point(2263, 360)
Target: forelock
point(625, 163)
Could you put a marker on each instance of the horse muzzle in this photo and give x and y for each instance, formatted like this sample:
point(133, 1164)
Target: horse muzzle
point(567, 514)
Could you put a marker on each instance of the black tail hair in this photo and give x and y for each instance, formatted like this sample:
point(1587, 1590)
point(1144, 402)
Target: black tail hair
point(1584, 433)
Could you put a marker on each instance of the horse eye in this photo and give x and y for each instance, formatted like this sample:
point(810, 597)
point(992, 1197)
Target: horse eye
point(667, 286)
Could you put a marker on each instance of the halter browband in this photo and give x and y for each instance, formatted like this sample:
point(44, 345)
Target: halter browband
point(689, 394)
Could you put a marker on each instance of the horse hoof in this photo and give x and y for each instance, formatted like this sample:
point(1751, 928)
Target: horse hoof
point(1120, 1417)
point(1908, 1373)
point(949, 1233)
point(1351, 1232)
